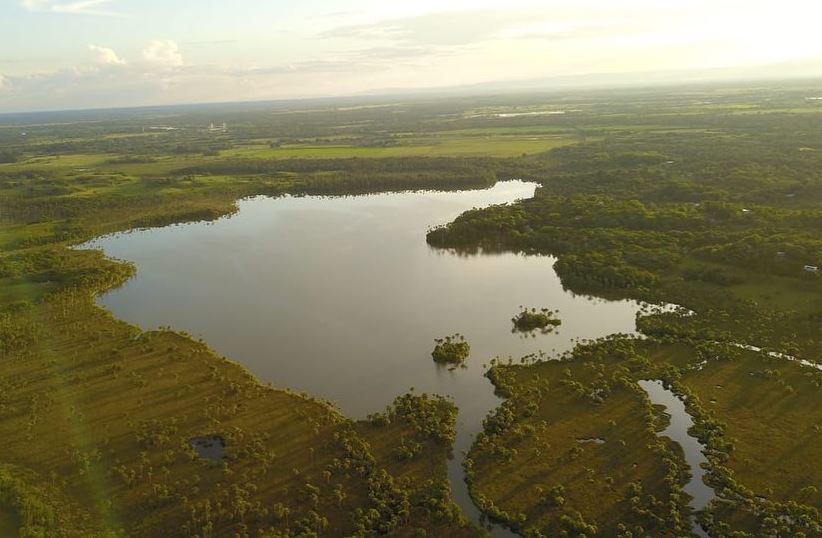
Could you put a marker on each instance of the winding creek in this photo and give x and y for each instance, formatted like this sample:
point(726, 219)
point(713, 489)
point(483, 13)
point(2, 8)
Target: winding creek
point(342, 297)
point(677, 430)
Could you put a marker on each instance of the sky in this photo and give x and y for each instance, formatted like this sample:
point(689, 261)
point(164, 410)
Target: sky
point(68, 54)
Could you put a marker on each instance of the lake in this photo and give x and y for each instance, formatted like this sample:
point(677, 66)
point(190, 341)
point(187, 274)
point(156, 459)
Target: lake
point(342, 297)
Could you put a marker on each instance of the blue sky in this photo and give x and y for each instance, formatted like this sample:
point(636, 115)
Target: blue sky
point(97, 53)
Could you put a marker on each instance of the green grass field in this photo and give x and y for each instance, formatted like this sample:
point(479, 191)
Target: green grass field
point(771, 413)
point(494, 146)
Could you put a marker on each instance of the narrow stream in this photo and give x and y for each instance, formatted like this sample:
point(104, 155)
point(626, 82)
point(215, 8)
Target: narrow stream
point(677, 430)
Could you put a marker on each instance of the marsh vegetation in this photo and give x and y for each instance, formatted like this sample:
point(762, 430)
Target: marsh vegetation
point(452, 349)
point(531, 320)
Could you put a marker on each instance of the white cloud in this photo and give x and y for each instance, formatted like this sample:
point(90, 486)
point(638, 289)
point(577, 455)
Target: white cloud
point(408, 45)
point(106, 56)
point(2, 81)
point(75, 7)
point(458, 28)
point(163, 53)
point(34, 5)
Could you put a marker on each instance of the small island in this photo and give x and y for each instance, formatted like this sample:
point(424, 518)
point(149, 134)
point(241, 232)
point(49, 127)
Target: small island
point(532, 320)
point(451, 349)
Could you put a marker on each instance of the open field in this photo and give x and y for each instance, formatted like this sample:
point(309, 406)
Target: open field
point(771, 416)
point(446, 146)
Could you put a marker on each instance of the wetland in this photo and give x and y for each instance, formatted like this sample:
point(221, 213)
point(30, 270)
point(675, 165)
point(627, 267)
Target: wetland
point(242, 279)
point(341, 296)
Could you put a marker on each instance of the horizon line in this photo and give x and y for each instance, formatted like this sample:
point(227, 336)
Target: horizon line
point(468, 90)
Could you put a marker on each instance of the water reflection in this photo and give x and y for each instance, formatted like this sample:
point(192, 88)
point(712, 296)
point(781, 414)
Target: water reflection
point(211, 447)
point(342, 297)
point(677, 430)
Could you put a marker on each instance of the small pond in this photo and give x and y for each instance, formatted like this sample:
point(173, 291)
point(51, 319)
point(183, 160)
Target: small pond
point(211, 447)
point(9, 522)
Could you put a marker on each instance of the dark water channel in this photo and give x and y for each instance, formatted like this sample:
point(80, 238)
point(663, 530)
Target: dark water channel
point(677, 430)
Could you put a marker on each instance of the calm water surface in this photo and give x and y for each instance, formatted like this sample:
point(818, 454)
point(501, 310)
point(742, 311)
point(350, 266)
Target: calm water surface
point(342, 297)
point(677, 430)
